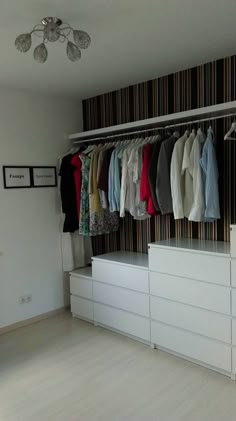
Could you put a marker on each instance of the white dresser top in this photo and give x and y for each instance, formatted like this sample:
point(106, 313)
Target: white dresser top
point(125, 258)
point(84, 272)
point(201, 246)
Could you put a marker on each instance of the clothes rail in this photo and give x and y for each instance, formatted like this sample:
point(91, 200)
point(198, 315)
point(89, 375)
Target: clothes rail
point(210, 112)
point(166, 127)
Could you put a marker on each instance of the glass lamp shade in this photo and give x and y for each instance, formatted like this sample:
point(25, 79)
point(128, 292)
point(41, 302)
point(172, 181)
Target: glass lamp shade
point(52, 32)
point(73, 52)
point(41, 53)
point(81, 38)
point(23, 42)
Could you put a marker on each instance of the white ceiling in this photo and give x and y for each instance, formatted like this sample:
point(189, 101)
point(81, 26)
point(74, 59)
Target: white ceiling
point(132, 41)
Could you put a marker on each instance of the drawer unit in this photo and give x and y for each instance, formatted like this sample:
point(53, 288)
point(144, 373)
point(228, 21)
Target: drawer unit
point(120, 320)
point(82, 287)
point(207, 351)
point(188, 291)
point(203, 322)
point(197, 266)
point(125, 299)
point(82, 308)
point(121, 275)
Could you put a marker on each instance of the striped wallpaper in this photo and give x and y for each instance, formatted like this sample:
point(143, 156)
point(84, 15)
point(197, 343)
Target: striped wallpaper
point(208, 84)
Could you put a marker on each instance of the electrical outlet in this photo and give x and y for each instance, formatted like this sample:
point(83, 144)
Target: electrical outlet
point(28, 298)
point(24, 299)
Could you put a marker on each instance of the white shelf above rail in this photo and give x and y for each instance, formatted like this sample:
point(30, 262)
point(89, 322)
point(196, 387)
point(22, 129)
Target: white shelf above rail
point(224, 109)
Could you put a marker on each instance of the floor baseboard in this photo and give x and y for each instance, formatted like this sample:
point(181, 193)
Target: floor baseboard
point(32, 320)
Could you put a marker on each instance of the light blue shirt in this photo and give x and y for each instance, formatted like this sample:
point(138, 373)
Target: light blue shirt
point(209, 166)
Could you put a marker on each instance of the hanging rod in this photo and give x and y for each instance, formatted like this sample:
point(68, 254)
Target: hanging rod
point(169, 126)
point(183, 117)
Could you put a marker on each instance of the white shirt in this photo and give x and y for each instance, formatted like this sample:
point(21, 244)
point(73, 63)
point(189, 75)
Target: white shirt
point(176, 177)
point(198, 207)
point(188, 180)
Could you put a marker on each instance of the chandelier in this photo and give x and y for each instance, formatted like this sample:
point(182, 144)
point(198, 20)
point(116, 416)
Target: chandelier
point(52, 30)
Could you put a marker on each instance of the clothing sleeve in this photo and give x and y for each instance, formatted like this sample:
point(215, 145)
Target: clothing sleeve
point(116, 182)
point(209, 165)
point(163, 189)
point(110, 182)
point(176, 182)
point(90, 189)
point(198, 208)
point(186, 157)
point(102, 179)
point(123, 185)
point(144, 175)
point(203, 160)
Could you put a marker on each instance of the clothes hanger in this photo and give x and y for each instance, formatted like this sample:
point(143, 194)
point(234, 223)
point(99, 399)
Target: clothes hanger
point(176, 134)
point(231, 130)
point(90, 148)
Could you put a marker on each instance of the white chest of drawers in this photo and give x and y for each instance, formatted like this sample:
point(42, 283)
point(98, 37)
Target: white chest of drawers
point(81, 290)
point(190, 295)
point(180, 298)
point(121, 293)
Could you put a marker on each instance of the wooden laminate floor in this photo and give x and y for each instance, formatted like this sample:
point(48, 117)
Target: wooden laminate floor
point(65, 369)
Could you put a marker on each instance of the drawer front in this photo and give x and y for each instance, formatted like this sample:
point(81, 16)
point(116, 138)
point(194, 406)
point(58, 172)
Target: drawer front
point(123, 276)
point(81, 307)
point(81, 286)
point(233, 272)
point(122, 321)
point(233, 241)
point(199, 294)
point(193, 346)
point(234, 332)
point(203, 322)
point(124, 299)
point(190, 265)
point(234, 302)
point(234, 360)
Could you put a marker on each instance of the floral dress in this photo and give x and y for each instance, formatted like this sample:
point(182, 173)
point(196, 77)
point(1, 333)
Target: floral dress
point(84, 223)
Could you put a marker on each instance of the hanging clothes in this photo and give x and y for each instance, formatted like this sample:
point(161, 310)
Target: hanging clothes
point(198, 207)
point(176, 177)
point(113, 206)
point(137, 207)
point(84, 222)
point(145, 190)
point(102, 221)
point(209, 166)
point(117, 177)
point(124, 181)
point(76, 163)
point(163, 189)
point(103, 177)
point(76, 251)
point(152, 172)
point(96, 211)
point(188, 180)
point(140, 206)
point(68, 195)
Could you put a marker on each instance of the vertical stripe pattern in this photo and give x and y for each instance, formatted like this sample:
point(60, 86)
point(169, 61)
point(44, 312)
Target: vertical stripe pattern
point(201, 86)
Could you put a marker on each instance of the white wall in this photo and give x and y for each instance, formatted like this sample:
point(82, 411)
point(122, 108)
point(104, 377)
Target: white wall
point(33, 131)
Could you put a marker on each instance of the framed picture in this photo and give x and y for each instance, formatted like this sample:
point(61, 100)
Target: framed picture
point(16, 177)
point(44, 177)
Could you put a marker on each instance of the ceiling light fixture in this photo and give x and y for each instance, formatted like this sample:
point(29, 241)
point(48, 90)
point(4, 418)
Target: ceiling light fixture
point(52, 30)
